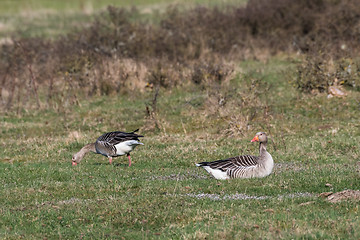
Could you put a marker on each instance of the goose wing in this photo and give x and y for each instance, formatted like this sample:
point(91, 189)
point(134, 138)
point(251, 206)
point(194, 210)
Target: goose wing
point(113, 138)
point(243, 161)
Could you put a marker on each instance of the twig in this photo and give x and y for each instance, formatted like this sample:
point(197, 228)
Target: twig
point(33, 83)
point(32, 76)
point(183, 127)
point(50, 91)
point(152, 112)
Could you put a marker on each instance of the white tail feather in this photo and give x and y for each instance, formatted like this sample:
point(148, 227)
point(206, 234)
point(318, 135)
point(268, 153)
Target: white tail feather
point(217, 173)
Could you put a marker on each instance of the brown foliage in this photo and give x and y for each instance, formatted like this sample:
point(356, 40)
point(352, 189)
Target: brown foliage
point(101, 59)
point(318, 73)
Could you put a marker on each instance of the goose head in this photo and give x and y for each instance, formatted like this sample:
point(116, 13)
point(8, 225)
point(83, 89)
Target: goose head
point(76, 158)
point(260, 137)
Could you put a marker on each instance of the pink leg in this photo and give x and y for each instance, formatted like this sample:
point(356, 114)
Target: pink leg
point(129, 159)
point(110, 160)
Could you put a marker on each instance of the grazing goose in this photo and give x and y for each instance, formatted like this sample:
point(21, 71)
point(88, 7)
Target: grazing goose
point(112, 144)
point(245, 166)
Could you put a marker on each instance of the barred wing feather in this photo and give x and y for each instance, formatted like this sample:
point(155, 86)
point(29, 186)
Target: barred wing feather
point(245, 160)
point(114, 138)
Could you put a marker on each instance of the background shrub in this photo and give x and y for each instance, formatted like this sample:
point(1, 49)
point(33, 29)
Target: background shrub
point(181, 48)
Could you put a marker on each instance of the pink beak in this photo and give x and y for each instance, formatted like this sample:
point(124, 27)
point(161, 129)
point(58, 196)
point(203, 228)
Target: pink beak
point(74, 163)
point(255, 139)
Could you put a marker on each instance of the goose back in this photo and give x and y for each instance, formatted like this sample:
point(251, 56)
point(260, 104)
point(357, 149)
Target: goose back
point(117, 143)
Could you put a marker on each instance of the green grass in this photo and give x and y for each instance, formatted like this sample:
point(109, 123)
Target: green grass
point(314, 141)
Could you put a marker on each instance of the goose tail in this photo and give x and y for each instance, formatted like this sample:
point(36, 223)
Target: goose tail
point(202, 164)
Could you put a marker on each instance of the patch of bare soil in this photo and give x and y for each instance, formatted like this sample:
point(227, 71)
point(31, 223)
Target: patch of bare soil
point(342, 196)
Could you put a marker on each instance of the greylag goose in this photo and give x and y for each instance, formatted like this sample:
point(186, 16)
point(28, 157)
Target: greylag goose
point(245, 166)
point(112, 144)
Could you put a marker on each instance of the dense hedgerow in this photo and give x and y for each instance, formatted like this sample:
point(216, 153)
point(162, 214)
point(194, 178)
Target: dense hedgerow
point(119, 54)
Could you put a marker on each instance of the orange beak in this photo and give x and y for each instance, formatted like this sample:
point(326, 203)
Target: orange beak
point(74, 163)
point(255, 139)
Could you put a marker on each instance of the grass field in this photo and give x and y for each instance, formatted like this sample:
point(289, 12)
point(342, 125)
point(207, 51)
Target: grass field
point(314, 141)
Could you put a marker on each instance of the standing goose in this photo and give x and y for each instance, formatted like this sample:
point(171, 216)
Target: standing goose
point(112, 144)
point(245, 166)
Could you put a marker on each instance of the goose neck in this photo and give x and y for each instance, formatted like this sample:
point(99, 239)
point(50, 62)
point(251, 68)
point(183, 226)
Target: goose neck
point(262, 148)
point(89, 148)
